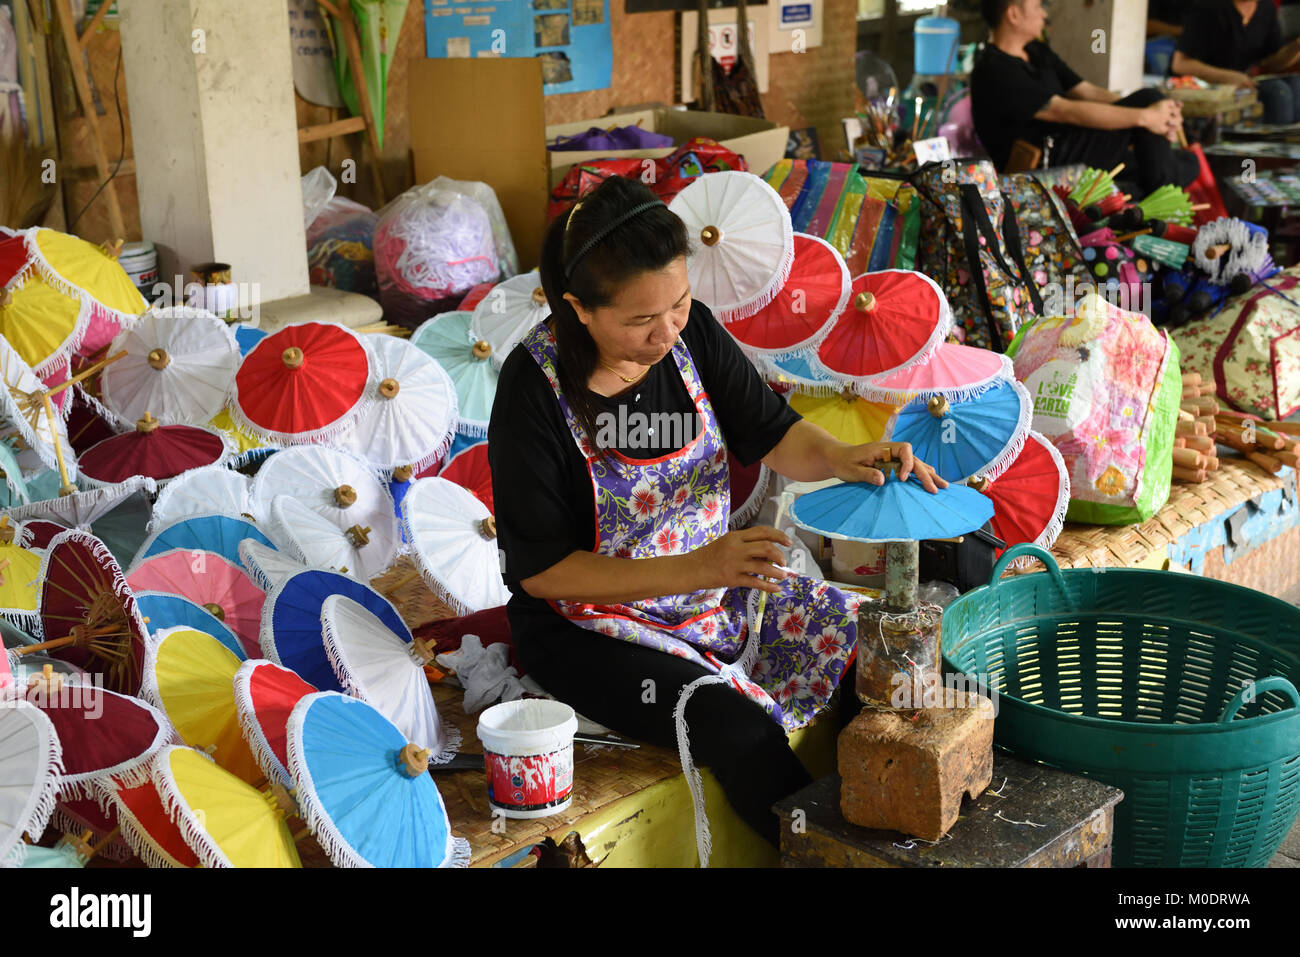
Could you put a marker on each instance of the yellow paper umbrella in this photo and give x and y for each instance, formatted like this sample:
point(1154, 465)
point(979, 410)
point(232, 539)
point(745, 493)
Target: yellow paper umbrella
point(190, 676)
point(78, 267)
point(243, 439)
point(42, 323)
point(225, 821)
point(20, 571)
point(846, 416)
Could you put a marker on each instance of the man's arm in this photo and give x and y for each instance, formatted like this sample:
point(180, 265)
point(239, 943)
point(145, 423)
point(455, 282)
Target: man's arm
point(1283, 61)
point(1158, 28)
point(1097, 116)
point(1189, 66)
point(1091, 93)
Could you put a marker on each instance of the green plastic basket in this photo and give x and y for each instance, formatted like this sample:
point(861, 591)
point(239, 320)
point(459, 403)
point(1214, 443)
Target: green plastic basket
point(1179, 690)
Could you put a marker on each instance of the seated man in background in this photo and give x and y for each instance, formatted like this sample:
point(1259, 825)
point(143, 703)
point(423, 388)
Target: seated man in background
point(1021, 90)
point(1222, 39)
point(1165, 17)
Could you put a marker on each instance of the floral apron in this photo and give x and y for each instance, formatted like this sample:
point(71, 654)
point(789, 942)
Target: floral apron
point(676, 504)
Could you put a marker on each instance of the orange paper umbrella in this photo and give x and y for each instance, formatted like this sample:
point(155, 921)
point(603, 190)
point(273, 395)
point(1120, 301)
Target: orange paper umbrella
point(896, 319)
point(302, 384)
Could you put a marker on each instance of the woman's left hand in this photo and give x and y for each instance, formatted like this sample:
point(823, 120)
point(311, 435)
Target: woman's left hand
point(853, 463)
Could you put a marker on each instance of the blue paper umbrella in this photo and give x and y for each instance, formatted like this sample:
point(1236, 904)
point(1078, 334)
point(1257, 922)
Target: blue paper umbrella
point(165, 610)
point(291, 626)
point(977, 436)
point(894, 512)
point(247, 337)
point(447, 338)
point(205, 533)
point(805, 373)
point(352, 791)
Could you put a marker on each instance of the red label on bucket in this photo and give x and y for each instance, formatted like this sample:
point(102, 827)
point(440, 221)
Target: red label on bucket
point(530, 783)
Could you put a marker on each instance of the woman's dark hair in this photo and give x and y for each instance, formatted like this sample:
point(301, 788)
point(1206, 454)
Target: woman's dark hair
point(645, 242)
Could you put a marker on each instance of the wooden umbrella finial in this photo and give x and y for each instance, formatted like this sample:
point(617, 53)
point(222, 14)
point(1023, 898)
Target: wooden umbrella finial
point(292, 357)
point(938, 406)
point(159, 359)
point(215, 610)
point(113, 248)
point(413, 760)
point(6, 297)
point(710, 235)
point(358, 536)
point(539, 296)
point(389, 388)
point(147, 423)
point(403, 473)
point(345, 496)
point(488, 527)
point(482, 349)
point(864, 302)
point(979, 483)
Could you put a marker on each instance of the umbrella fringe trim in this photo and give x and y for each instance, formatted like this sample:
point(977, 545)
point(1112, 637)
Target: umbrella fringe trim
point(47, 791)
point(19, 279)
point(470, 428)
point(117, 850)
point(131, 773)
point(41, 510)
point(963, 393)
point(243, 459)
point(15, 492)
point(1007, 457)
point(123, 320)
point(703, 836)
point(246, 712)
point(426, 571)
point(330, 434)
point(101, 409)
point(1052, 531)
point(23, 620)
point(458, 852)
point(159, 515)
point(259, 576)
point(196, 838)
point(328, 836)
point(754, 504)
point(140, 842)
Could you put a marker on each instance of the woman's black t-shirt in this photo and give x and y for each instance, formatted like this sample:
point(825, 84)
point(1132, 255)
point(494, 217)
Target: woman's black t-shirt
point(545, 508)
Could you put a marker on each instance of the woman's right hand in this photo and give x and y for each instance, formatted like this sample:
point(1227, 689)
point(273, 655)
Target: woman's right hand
point(737, 558)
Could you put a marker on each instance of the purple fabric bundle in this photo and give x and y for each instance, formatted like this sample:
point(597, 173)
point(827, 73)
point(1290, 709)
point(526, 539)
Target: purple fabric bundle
point(619, 138)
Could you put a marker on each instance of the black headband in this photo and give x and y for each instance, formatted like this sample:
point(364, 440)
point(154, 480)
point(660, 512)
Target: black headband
point(605, 231)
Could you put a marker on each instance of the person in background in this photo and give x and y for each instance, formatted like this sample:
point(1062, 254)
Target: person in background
point(1021, 90)
point(1224, 39)
point(1165, 18)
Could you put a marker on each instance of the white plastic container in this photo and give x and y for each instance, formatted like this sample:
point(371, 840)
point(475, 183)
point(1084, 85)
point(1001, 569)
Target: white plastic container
point(528, 754)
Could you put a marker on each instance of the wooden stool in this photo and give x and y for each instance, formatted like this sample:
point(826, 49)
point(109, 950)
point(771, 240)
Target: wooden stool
point(1033, 816)
point(908, 771)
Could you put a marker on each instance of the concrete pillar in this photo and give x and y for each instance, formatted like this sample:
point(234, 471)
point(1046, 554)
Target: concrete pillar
point(1102, 40)
point(210, 84)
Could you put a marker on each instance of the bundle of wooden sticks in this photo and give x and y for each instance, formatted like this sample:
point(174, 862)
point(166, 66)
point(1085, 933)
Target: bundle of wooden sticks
point(1202, 424)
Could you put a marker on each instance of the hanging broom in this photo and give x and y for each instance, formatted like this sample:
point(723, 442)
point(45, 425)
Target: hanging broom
point(24, 198)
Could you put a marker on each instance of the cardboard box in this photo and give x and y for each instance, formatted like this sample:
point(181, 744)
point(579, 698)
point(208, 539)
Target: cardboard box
point(482, 119)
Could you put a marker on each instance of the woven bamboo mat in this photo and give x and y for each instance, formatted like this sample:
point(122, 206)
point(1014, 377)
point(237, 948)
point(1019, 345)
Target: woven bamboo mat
point(1110, 546)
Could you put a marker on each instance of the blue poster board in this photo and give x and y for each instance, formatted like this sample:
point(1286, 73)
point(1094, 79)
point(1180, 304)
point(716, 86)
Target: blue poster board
point(571, 36)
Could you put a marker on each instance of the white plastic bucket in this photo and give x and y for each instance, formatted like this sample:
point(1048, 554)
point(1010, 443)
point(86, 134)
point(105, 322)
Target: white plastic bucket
point(528, 754)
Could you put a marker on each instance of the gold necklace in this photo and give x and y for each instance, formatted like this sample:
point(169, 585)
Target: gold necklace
point(625, 379)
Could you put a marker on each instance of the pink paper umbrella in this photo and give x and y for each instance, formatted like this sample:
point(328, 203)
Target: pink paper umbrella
point(222, 587)
point(804, 308)
point(896, 319)
point(955, 371)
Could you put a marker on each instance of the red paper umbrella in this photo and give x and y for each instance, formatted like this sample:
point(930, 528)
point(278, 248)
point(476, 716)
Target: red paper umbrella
point(86, 426)
point(15, 261)
point(805, 307)
point(78, 817)
point(41, 532)
point(88, 613)
point(896, 320)
point(107, 738)
point(1031, 496)
point(149, 829)
point(748, 486)
point(302, 384)
point(469, 469)
point(265, 694)
point(155, 451)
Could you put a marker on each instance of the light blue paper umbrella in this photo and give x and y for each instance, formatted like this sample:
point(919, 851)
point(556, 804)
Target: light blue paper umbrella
point(977, 436)
point(353, 793)
point(205, 533)
point(804, 372)
point(14, 486)
point(246, 337)
point(447, 338)
point(894, 512)
point(171, 611)
point(291, 626)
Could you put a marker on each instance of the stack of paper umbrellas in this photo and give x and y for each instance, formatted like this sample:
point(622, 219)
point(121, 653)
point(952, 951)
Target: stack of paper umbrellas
point(868, 358)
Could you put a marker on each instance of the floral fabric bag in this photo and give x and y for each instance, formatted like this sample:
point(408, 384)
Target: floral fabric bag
point(1251, 349)
point(1106, 387)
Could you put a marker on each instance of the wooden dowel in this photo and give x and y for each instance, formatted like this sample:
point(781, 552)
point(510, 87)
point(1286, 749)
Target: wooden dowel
point(1290, 428)
point(1180, 442)
point(1189, 459)
point(1189, 475)
point(1190, 428)
point(1202, 443)
point(1208, 422)
point(85, 373)
point(1288, 458)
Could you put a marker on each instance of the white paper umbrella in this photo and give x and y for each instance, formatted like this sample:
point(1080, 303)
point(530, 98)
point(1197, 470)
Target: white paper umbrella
point(31, 769)
point(453, 540)
point(337, 484)
point(81, 509)
point(411, 416)
point(204, 491)
point(179, 366)
point(507, 313)
point(361, 551)
point(25, 419)
point(742, 242)
point(378, 665)
point(268, 566)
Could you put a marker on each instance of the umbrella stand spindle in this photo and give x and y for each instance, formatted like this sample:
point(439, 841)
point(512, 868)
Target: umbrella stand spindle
point(899, 638)
point(398, 585)
point(67, 488)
